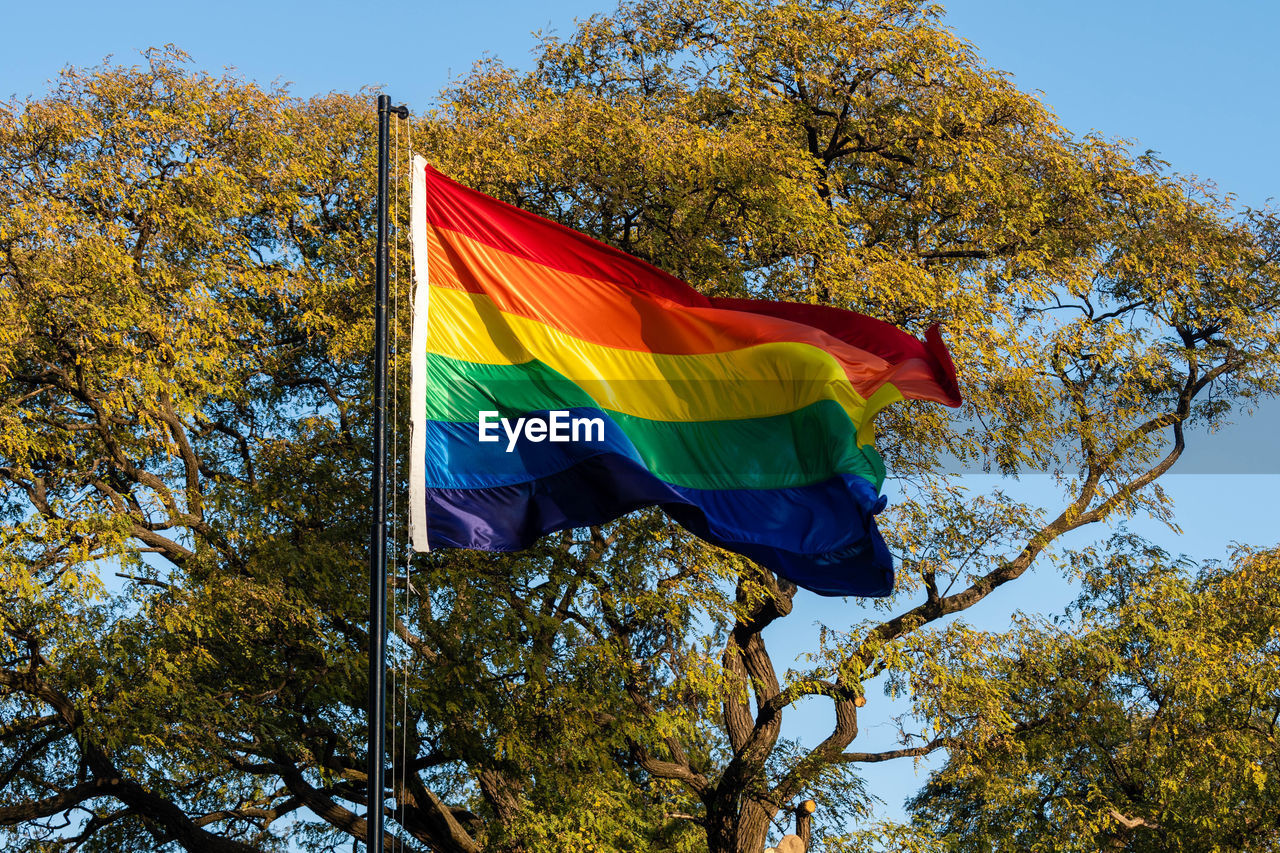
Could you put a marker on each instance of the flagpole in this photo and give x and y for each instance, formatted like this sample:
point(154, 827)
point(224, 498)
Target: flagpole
point(378, 534)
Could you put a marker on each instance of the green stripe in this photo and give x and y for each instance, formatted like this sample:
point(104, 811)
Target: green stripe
point(806, 446)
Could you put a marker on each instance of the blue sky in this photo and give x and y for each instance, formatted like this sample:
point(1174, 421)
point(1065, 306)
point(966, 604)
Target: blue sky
point(1193, 81)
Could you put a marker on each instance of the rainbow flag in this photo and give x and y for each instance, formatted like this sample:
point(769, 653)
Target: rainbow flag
point(559, 382)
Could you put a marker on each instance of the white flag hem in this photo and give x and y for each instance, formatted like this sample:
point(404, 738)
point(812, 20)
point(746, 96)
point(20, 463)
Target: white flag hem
point(418, 359)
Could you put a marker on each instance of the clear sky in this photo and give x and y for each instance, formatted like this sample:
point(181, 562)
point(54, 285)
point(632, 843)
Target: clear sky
point(1194, 81)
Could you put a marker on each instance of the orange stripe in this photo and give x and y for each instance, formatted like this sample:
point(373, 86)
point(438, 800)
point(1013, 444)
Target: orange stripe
point(607, 314)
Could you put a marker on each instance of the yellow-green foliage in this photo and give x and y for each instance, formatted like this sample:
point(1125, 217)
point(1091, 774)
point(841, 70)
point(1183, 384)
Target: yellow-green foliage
point(1146, 720)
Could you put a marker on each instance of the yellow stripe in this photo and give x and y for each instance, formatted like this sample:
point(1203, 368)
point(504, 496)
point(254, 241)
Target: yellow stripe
point(884, 395)
point(752, 382)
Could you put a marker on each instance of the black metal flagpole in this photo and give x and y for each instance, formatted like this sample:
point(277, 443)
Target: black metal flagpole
point(378, 537)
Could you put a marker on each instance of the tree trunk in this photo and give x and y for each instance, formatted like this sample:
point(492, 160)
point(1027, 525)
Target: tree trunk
point(753, 828)
point(741, 830)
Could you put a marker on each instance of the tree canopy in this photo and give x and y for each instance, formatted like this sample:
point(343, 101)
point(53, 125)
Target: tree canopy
point(184, 356)
point(1144, 721)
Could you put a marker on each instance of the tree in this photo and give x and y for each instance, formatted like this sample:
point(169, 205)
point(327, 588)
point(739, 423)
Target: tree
point(184, 358)
point(174, 250)
point(1146, 721)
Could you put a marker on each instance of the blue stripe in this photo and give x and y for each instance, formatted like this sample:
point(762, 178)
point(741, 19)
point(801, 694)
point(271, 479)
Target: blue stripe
point(457, 459)
point(821, 536)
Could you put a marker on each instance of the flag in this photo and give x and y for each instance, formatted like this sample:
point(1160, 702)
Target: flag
point(559, 382)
